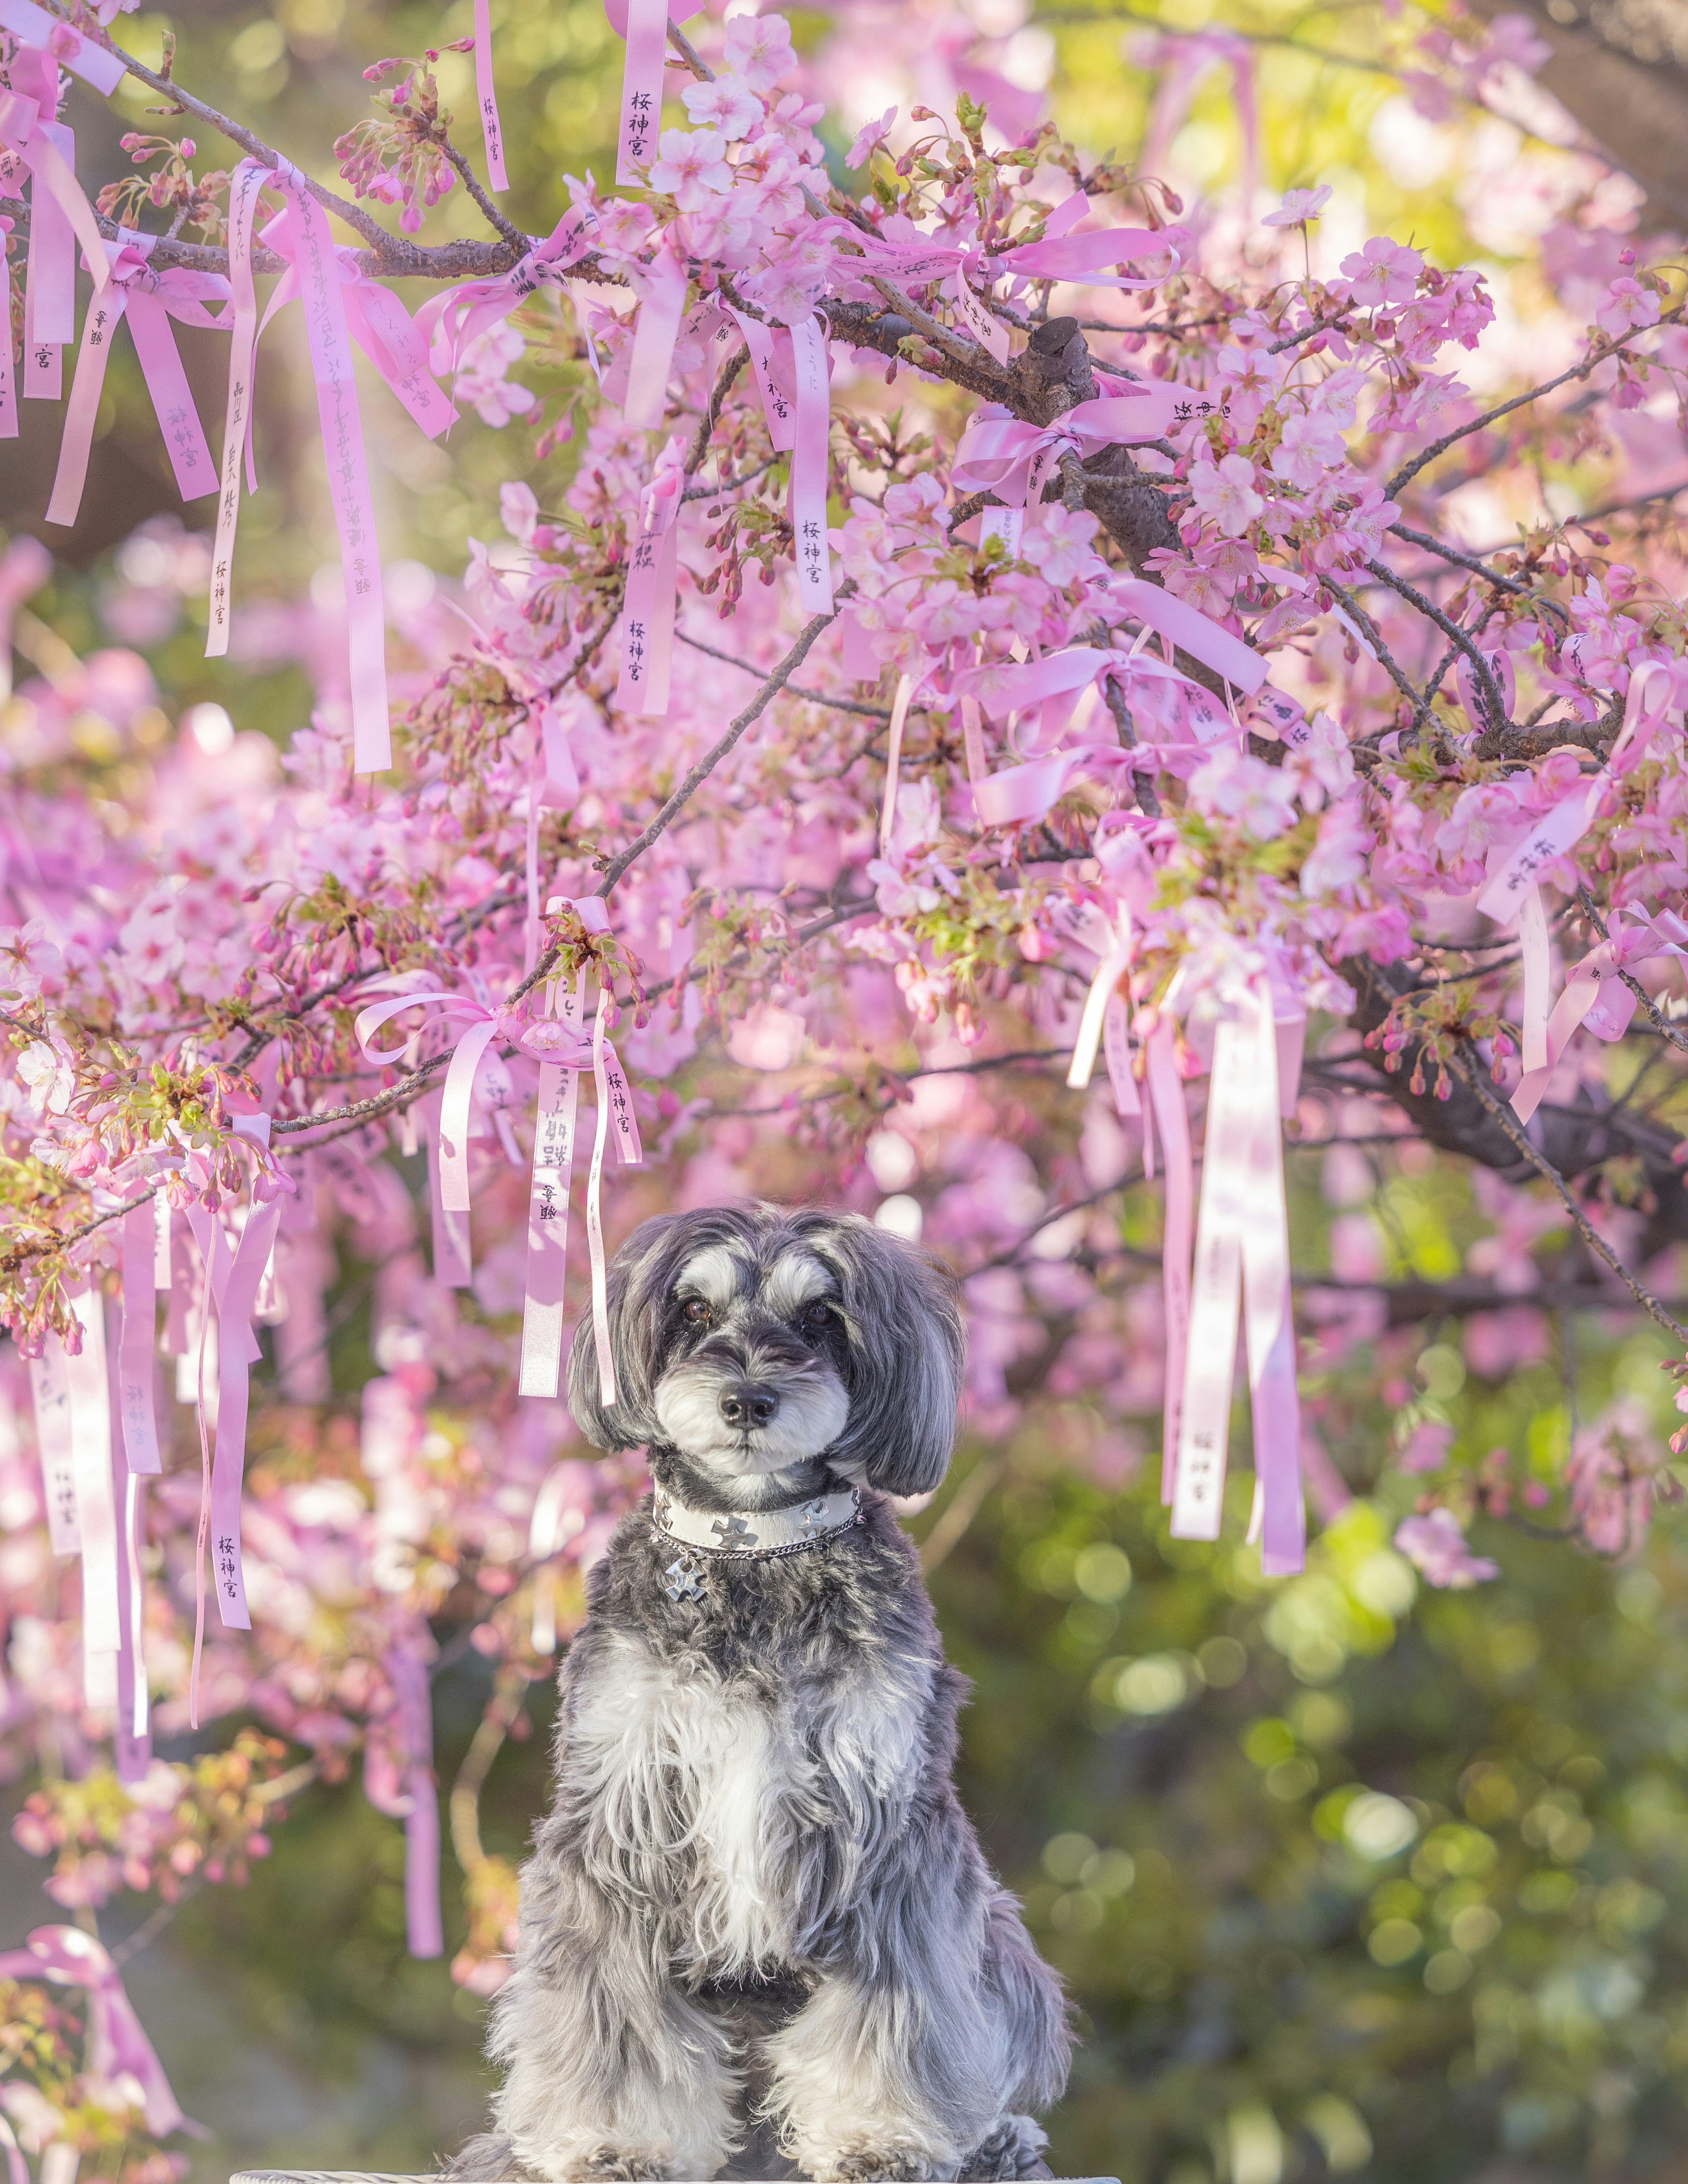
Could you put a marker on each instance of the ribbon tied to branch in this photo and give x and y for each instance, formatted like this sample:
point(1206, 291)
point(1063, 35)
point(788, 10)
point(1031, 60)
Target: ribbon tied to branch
point(1000, 455)
point(1595, 998)
point(149, 300)
point(558, 1041)
point(117, 2043)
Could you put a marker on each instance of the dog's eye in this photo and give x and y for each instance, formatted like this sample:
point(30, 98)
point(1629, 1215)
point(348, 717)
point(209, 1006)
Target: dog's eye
point(814, 1316)
point(697, 1312)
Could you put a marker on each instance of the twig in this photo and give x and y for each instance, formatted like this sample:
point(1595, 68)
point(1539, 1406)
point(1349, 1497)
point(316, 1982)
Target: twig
point(1374, 636)
point(682, 46)
point(1408, 472)
point(1472, 1079)
point(706, 765)
point(795, 689)
point(953, 1521)
point(1478, 568)
point(1496, 704)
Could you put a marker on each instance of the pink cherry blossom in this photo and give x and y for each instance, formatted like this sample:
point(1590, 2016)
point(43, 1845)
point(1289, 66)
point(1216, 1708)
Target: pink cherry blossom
point(1225, 492)
point(690, 168)
point(1436, 1548)
point(1299, 206)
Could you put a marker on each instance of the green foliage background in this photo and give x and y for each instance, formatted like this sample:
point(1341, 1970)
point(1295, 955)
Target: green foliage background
point(1480, 1972)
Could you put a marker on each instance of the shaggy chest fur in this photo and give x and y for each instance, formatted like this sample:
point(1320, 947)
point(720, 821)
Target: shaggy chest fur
point(735, 1761)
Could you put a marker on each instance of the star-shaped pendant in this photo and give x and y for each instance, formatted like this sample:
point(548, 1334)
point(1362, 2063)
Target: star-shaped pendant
point(685, 1579)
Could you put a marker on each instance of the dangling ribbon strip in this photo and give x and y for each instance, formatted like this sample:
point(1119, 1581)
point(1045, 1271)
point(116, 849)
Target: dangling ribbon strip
point(455, 1097)
point(244, 184)
point(645, 28)
point(558, 1045)
point(809, 466)
point(386, 334)
point(899, 713)
point(96, 1509)
point(135, 1348)
point(548, 1203)
point(1242, 1250)
point(762, 340)
point(652, 578)
point(150, 300)
point(424, 1935)
point(131, 1741)
point(59, 215)
point(50, 1390)
point(662, 305)
point(302, 235)
point(1171, 1122)
point(491, 132)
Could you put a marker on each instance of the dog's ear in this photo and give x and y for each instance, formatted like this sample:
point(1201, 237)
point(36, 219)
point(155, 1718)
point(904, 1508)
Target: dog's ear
point(635, 1291)
point(906, 1346)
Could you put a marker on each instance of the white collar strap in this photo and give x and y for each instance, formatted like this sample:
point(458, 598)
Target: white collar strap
point(753, 1535)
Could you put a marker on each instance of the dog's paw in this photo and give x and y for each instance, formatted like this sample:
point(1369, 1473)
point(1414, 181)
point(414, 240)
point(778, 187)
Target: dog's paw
point(611, 2164)
point(867, 2164)
point(1014, 2150)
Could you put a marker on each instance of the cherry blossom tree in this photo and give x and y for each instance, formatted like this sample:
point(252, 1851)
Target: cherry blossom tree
point(1022, 720)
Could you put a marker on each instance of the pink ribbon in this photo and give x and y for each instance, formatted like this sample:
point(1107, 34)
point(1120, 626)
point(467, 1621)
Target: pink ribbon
point(246, 181)
point(394, 342)
point(451, 320)
point(1171, 1122)
point(887, 810)
point(227, 1298)
point(300, 235)
point(135, 1347)
point(1083, 257)
point(50, 1393)
point(484, 1025)
point(131, 1738)
point(558, 1042)
point(661, 287)
point(59, 215)
point(491, 132)
point(766, 343)
point(424, 1934)
point(1194, 631)
point(117, 2046)
point(1651, 690)
point(100, 69)
point(89, 1388)
point(644, 25)
point(1242, 1257)
point(1499, 662)
point(1595, 998)
point(998, 453)
point(150, 301)
point(653, 576)
point(808, 467)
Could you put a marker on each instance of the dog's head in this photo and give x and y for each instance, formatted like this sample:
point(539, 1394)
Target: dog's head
point(756, 1343)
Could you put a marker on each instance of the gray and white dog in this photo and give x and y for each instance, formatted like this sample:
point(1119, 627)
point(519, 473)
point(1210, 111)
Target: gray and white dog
point(758, 1937)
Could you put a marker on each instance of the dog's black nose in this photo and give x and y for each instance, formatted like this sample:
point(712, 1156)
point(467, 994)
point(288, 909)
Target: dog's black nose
point(749, 1405)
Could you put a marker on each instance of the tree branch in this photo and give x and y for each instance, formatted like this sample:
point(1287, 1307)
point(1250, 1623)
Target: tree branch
point(1472, 1079)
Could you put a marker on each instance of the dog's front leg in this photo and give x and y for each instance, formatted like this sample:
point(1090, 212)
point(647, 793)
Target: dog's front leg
point(613, 2072)
point(893, 2068)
